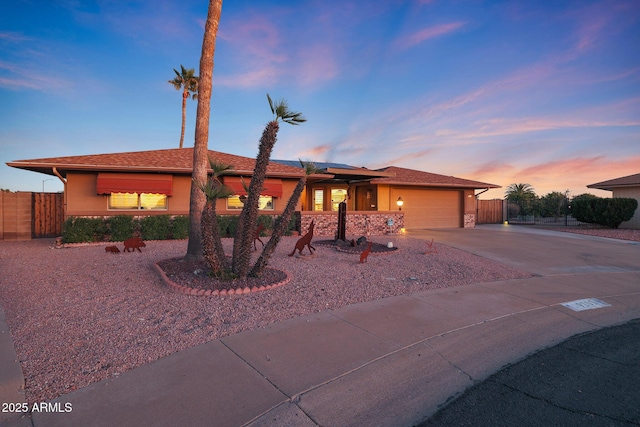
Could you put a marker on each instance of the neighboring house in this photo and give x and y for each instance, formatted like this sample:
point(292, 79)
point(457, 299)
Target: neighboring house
point(628, 187)
point(159, 182)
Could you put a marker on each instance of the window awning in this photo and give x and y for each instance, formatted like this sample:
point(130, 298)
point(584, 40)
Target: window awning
point(271, 187)
point(134, 183)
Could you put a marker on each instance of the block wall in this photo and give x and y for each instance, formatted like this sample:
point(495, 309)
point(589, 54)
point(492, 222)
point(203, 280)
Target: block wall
point(15, 215)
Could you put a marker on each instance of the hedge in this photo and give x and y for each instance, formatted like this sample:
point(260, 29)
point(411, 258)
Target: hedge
point(608, 212)
point(156, 227)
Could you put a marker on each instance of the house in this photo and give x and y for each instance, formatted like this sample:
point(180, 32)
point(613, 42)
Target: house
point(627, 186)
point(159, 181)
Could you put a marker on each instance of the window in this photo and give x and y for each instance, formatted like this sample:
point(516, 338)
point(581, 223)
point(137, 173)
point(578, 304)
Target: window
point(318, 199)
point(135, 201)
point(265, 203)
point(337, 195)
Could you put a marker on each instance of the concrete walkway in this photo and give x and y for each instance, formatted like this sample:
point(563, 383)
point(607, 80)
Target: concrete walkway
point(391, 362)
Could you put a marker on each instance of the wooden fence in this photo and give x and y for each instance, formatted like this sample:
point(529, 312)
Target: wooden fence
point(490, 211)
point(48, 214)
point(25, 215)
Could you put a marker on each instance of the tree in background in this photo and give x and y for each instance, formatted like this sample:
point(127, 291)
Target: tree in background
point(200, 147)
point(522, 199)
point(187, 81)
point(553, 204)
point(518, 192)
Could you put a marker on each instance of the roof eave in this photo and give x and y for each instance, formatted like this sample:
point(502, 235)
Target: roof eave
point(47, 168)
point(440, 185)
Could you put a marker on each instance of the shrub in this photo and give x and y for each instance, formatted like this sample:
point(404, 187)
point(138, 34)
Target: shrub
point(608, 212)
point(180, 227)
point(155, 227)
point(618, 210)
point(552, 205)
point(79, 230)
point(121, 227)
point(227, 225)
point(267, 222)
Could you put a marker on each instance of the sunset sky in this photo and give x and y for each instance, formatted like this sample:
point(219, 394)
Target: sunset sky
point(545, 93)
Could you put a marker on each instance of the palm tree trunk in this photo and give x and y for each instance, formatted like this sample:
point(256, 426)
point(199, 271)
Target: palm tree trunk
point(185, 95)
point(200, 148)
point(279, 229)
point(247, 222)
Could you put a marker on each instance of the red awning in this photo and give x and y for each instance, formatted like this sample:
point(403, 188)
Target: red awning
point(271, 187)
point(134, 183)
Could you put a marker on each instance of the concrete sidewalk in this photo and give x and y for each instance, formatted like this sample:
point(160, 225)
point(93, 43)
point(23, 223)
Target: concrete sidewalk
point(390, 362)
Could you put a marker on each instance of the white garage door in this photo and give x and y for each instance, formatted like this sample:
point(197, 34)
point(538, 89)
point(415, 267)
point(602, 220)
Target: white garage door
point(430, 208)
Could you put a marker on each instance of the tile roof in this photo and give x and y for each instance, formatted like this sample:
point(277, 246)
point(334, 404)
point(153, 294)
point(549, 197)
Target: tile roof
point(625, 181)
point(405, 176)
point(176, 160)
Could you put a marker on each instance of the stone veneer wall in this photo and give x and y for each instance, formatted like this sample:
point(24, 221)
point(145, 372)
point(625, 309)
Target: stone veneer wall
point(359, 223)
point(469, 220)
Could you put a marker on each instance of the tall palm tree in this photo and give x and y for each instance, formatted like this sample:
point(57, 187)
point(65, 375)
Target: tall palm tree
point(200, 147)
point(282, 222)
point(187, 81)
point(247, 222)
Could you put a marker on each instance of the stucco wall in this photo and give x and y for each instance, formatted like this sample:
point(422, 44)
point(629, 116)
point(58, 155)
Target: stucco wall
point(82, 199)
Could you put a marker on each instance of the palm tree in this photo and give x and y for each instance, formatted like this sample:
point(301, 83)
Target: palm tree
point(211, 243)
point(187, 81)
point(247, 222)
point(281, 223)
point(517, 192)
point(200, 147)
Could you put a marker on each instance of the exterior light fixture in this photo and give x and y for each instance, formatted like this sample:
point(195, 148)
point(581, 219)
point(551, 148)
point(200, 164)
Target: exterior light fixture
point(400, 202)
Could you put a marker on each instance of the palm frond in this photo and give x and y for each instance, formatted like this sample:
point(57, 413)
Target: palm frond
point(309, 167)
point(282, 112)
point(213, 190)
point(219, 168)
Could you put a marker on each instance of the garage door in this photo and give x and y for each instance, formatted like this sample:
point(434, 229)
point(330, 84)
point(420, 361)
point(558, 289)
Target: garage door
point(430, 208)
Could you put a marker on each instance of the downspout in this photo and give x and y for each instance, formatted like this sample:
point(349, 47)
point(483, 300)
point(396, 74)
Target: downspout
point(64, 191)
point(484, 191)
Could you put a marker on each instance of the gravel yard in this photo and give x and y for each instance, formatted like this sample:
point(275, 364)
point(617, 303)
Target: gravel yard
point(79, 315)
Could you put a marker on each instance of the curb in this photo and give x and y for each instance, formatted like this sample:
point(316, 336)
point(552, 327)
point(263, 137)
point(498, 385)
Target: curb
point(201, 292)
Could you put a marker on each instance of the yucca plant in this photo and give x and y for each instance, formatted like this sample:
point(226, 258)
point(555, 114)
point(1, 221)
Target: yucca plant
point(213, 189)
point(281, 224)
point(247, 222)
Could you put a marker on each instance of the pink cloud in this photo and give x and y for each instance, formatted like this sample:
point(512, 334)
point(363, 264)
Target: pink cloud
point(573, 174)
point(428, 33)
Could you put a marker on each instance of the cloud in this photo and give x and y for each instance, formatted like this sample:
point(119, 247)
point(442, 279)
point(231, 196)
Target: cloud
point(13, 37)
point(573, 174)
point(24, 77)
point(428, 33)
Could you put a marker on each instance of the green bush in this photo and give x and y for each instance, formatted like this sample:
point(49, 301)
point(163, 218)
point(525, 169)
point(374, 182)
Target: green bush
point(155, 227)
point(267, 223)
point(121, 227)
point(227, 225)
point(79, 230)
point(617, 211)
point(608, 212)
point(180, 227)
